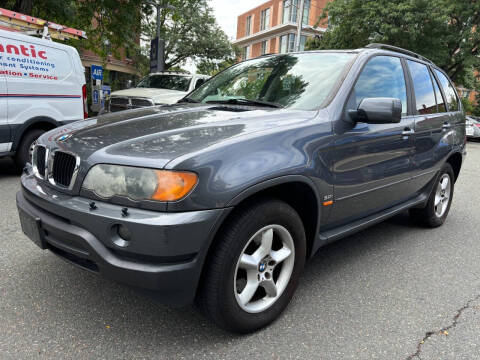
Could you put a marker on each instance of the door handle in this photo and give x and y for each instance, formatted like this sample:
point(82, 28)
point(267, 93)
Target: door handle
point(446, 126)
point(408, 132)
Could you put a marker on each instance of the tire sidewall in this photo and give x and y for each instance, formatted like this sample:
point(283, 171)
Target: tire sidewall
point(268, 213)
point(23, 151)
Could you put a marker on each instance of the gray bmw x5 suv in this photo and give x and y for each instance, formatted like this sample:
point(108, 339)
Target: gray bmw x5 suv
point(222, 197)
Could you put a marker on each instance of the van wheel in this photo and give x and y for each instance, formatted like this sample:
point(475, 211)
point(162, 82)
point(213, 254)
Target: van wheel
point(24, 151)
point(438, 206)
point(255, 267)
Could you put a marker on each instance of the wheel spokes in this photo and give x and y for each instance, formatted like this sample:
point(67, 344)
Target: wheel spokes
point(281, 255)
point(444, 183)
point(248, 262)
point(265, 245)
point(247, 294)
point(270, 287)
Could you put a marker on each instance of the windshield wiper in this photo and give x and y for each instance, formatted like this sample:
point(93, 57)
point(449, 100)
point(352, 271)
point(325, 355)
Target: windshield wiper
point(246, 102)
point(187, 100)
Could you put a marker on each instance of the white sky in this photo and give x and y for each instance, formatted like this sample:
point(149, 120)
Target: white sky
point(227, 11)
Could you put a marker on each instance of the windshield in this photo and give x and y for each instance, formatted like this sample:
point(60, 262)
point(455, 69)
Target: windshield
point(170, 82)
point(297, 81)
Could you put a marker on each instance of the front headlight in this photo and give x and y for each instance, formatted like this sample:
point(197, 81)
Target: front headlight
point(137, 184)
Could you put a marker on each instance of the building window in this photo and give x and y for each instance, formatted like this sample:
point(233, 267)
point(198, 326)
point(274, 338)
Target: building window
point(287, 43)
point(246, 53)
point(265, 19)
point(265, 47)
point(248, 26)
point(290, 10)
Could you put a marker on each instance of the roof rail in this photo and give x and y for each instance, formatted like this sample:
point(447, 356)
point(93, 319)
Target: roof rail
point(397, 49)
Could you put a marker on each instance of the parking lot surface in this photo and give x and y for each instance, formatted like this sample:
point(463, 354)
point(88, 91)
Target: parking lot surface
point(394, 291)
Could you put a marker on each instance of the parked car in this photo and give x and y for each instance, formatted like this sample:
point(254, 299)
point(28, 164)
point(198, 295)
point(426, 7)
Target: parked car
point(42, 86)
point(473, 128)
point(223, 197)
point(156, 89)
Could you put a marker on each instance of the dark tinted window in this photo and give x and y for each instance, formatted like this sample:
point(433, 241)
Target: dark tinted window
point(199, 83)
point(440, 100)
point(452, 99)
point(422, 83)
point(170, 82)
point(382, 77)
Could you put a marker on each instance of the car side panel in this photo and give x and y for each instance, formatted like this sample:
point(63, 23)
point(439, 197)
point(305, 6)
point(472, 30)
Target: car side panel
point(298, 151)
point(373, 165)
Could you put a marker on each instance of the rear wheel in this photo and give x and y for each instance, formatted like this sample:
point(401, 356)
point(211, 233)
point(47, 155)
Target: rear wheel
point(255, 267)
point(438, 206)
point(25, 149)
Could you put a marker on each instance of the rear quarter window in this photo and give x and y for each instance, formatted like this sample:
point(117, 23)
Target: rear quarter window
point(451, 96)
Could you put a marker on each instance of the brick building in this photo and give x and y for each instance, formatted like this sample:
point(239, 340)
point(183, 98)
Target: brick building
point(271, 28)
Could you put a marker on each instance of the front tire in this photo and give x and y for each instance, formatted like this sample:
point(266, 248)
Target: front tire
point(24, 151)
point(255, 267)
point(438, 206)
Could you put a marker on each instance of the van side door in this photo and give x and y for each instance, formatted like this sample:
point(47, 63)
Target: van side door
point(433, 140)
point(5, 137)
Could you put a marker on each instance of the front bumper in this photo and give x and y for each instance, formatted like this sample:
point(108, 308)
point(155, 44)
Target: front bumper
point(165, 254)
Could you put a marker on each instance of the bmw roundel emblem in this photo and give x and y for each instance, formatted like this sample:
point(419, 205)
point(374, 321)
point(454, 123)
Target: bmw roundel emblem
point(261, 267)
point(64, 137)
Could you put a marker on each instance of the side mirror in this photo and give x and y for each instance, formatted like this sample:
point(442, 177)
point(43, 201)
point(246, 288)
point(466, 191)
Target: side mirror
point(129, 84)
point(378, 111)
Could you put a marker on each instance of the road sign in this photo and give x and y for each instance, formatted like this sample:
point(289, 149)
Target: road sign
point(97, 72)
point(95, 96)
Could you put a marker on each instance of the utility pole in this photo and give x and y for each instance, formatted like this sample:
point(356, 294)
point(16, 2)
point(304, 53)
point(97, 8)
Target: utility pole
point(300, 12)
point(157, 45)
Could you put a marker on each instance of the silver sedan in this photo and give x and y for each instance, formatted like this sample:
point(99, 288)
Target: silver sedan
point(473, 128)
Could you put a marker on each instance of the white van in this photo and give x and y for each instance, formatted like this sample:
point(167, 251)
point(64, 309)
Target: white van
point(42, 86)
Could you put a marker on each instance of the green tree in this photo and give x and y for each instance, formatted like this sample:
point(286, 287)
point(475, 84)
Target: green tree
point(189, 28)
point(110, 24)
point(444, 31)
point(190, 32)
point(213, 67)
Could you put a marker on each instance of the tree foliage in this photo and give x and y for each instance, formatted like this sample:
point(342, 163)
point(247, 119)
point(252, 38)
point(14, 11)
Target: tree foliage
point(213, 67)
point(190, 32)
point(444, 31)
point(189, 27)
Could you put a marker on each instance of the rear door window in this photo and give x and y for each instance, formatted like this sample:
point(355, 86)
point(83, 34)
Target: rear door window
point(452, 100)
point(382, 77)
point(422, 84)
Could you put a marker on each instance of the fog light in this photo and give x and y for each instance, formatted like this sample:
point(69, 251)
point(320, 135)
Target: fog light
point(121, 235)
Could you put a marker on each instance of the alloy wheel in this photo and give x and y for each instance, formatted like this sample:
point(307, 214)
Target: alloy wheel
point(442, 195)
point(264, 268)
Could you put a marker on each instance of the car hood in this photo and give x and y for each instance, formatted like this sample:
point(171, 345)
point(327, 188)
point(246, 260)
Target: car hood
point(159, 96)
point(154, 136)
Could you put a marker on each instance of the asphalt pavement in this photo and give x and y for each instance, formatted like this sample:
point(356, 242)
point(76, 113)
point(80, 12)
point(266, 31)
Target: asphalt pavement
point(394, 291)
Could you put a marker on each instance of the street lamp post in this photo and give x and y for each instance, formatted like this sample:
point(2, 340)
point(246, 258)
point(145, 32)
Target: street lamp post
point(300, 11)
point(157, 46)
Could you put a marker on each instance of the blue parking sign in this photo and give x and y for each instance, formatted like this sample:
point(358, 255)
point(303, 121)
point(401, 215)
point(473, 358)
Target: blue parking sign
point(95, 96)
point(97, 72)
